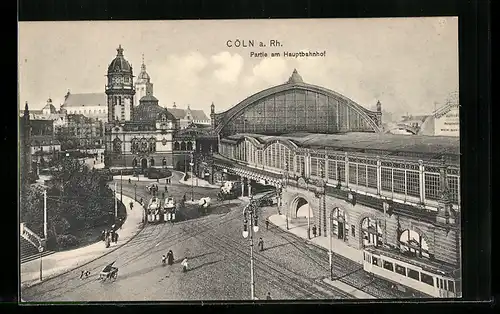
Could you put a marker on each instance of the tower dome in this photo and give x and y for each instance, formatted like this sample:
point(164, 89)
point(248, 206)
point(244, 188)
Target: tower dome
point(119, 64)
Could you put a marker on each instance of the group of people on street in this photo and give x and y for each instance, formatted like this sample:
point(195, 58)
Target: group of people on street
point(168, 258)
point(109, 236)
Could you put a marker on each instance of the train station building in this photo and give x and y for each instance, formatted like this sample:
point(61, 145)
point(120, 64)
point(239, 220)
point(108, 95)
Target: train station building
point(335, 168)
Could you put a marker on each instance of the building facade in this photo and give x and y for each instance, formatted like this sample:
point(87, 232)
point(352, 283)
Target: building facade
point(188, 116)
point(396, 194)
point(91, 105)
point(80, 132)
point(137, 137)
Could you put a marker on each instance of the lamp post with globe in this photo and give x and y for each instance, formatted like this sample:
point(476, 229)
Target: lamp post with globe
point(250, 217)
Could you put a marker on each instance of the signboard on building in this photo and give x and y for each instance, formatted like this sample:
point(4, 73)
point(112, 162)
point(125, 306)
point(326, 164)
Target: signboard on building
point(448, 124)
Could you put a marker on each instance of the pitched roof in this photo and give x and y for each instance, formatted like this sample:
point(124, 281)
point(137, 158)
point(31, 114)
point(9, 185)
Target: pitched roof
point(199, 115)
point(87, 99)
point(50, 107)
point(178, 113)
point(181, 113)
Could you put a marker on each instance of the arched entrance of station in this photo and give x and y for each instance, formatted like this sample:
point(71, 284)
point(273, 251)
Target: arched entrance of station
point(301, 209)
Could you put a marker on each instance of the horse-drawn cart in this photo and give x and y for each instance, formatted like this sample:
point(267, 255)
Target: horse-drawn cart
point(109, 272)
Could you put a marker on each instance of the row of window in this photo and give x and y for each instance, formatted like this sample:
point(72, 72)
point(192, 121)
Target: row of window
point(84, 111)
point(404, 181)
point(411, 273)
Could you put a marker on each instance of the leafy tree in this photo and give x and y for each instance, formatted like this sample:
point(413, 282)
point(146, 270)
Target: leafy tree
point(77, 198)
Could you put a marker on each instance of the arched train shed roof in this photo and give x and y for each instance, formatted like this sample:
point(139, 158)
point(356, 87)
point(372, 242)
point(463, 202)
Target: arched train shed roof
point(223, 118)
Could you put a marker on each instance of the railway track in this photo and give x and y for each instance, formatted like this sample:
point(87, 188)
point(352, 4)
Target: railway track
point(269, 270)
point(348, 271)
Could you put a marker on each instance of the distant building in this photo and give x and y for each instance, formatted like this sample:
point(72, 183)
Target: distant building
point(92, 105)
point(48, 112)
point(445, 121)
point(188, 116)
point(80, 132)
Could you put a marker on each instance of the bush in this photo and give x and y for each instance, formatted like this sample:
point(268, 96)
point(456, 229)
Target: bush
point(154, 173)
point(66, 241)
point(125, 172)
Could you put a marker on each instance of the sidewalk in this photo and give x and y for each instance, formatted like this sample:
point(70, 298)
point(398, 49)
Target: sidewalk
point(197, 182)
point(62, 262)
point(338, 247)
point(300, 230)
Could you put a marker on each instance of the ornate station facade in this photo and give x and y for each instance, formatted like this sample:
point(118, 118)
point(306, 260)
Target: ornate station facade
point(397, 194)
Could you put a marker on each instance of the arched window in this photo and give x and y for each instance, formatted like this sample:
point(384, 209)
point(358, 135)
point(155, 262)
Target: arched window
point(413, 244)
point(177, 146)
point(152, 145)
point(134, 162)
point(133, 145)
point(340, 224)
point(151, 162)
point(372, 232)
point(117, 146)
point(190, 146)
point(183, 146)
point(144, 145)
point(164, 162)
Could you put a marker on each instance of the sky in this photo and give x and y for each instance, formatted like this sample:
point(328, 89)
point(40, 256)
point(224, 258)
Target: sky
point(409, 64)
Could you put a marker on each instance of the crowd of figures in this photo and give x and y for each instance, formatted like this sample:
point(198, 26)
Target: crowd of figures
point(109, 236)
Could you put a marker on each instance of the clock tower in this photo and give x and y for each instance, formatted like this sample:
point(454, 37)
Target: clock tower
point(120, 89)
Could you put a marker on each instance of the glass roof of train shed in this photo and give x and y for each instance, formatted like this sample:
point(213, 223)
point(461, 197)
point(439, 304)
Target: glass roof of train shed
point(424, 147)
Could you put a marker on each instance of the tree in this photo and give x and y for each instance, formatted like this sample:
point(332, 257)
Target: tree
point(78, 198)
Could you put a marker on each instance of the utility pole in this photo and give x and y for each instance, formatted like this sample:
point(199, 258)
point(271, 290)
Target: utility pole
point(116, 203)
point(192, 179)
point(121, 186)
point(45, 214)
point(250, 210)
point(330, 250)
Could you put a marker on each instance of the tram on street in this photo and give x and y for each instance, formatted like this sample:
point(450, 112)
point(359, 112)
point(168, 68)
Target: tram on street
point(426, 278)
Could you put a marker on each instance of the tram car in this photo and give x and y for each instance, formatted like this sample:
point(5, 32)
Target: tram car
point(169, 209)
point(154, 208)
point(426, 278)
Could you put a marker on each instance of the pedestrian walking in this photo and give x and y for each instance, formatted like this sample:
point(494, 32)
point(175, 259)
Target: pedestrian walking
point(314, 231)
point(116, 237)
point(268, 297)
point(129, 181)
point(261, 244)
point(267, 223)
point(103, 235)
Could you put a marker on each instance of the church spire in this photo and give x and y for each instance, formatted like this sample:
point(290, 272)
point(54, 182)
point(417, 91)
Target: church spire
point(143, 65)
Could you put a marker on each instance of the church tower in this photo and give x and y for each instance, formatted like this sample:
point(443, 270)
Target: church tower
point(120, 89)
point(143, 85)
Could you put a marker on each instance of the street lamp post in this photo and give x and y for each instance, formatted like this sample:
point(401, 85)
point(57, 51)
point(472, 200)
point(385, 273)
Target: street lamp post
point(192, 180)
point(284, 185)
point(330, 247)
point(135, 192)
point(121, 186)
point(250, 211)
